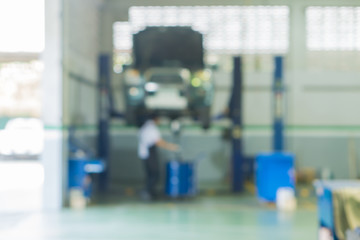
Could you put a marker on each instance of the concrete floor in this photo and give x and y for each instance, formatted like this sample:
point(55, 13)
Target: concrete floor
point(224, 217)
point(19, 180)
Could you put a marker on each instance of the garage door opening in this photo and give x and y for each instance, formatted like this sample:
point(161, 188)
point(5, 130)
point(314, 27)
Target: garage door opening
point(21, 128)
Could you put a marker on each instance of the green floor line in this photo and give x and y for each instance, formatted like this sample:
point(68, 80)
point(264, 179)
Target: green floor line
point(218, 127)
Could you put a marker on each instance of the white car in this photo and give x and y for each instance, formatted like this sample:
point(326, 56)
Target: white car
point(166, 89)
point(168, 75)
point(22, 137)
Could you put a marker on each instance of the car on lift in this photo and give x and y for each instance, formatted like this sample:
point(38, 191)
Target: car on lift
point(168, 75)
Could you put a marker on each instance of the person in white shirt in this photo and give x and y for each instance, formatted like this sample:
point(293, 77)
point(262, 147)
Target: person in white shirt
point(149, 140)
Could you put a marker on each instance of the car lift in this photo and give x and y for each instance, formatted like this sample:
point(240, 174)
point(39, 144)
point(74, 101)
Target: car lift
point(241, 165)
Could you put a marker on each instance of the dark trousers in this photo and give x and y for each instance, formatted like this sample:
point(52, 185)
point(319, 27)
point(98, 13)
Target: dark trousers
point(152, 172)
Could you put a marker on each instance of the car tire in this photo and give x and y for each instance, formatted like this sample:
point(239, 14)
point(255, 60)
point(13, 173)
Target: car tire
point(204, 117)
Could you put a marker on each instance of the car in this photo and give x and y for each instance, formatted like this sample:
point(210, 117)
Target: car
point(168, 75)
point(166, 89)
point(22, 137)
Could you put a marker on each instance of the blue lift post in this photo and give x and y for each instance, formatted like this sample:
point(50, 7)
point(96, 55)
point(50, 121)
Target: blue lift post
point(235, 113)
point(104, 106)
point(275, 170)
point(278, 90)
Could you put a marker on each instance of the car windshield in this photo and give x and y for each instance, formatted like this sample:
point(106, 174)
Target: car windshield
point(167, 79)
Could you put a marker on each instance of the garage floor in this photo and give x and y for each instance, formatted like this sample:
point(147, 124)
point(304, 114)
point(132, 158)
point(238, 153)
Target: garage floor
point(224, 217)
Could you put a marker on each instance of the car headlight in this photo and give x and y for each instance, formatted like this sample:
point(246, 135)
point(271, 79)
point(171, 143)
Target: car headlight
point(196, 82)
point(200, 77)
point(151, 87)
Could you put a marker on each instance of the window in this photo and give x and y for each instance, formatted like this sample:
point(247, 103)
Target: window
point(122, 36)
point(250, 29)
point(333, 28)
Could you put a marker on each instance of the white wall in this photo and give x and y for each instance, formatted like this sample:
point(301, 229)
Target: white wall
point(81, 51)
point(72, 47)
point(53, 158)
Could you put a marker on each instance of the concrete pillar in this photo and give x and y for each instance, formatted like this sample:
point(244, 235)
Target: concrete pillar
point(297, 35)
point(52, 114)
point(296, 59)
point(106, 31)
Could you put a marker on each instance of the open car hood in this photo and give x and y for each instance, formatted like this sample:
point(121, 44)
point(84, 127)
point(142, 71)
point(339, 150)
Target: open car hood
point(168, 47)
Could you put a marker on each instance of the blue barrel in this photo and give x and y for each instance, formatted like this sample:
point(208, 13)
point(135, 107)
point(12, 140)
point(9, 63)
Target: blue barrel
point(273, 171)
point(180, 179)
point(79, 173)
point(191, 180)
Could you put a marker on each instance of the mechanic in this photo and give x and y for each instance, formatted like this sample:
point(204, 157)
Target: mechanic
point(149, 141)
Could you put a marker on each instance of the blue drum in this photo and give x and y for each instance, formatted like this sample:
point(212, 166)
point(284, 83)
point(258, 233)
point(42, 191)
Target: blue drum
point(180, 179)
